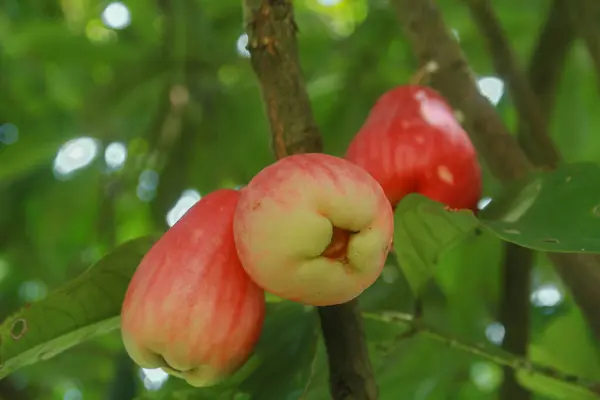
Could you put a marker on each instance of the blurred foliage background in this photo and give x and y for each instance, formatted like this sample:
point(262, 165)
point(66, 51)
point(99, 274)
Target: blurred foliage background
point(115, 117)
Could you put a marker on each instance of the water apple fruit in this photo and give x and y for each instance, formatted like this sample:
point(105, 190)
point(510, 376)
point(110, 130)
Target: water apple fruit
point(190, 307)
point(313, 228)
point(411, 142)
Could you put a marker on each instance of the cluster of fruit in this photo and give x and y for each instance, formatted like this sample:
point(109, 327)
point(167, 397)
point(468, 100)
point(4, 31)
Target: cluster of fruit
point(311, 228)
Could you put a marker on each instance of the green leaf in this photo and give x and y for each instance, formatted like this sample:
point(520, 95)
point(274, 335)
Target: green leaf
point(390, 291)
point(85, 307)
point(26, 155)
point(423, 230)
point(284, 353)
point(555, 211)
point(566, 346)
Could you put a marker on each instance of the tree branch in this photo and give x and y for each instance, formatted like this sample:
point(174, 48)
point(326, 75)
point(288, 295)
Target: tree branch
point(537, 143)
point(274, 56)
point(417, 326)
point(515, 314)
point(431, 40)
point(581, 274)
point(550, 55)
point(586, 14)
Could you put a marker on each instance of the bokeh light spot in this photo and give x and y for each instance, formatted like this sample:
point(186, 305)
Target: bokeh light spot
point(187, 199)
point(486, 376)
point(74, 155)
point(116, 16)
point(495, 332)
point(9, 133)
point(241, 44)
point(31, 291)
point(390, 274)
point(147, 184)
point(329, 3)
point(484, 202)
point(547, 295)
point(115, 155)
point(492, 88)
point(153, 378)
point(72, 394)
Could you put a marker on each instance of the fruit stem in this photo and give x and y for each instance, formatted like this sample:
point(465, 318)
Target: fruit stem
point(424, 73)
point(338, 246)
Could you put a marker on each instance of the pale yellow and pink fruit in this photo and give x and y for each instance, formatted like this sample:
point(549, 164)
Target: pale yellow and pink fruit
point(313, 228)
point(190, 308)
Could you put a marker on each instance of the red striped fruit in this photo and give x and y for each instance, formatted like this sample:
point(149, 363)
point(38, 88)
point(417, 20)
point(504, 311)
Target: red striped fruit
point(313, 228)
point(190, 308)
point(412, 143)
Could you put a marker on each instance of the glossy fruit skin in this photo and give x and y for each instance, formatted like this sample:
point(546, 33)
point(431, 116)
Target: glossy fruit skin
point(190, 307)
point(285, 222)
point(412, 143)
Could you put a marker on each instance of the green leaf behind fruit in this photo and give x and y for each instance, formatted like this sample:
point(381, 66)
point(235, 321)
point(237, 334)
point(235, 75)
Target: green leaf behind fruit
point(83, 308)
point(423, 230)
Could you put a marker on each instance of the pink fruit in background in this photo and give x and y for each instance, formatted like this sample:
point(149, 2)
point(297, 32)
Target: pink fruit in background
point(190, 308)
point(313, 228)
point(412, 143)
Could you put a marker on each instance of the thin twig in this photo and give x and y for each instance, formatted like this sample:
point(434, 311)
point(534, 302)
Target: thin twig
point(537, 143)
point(550, 55)
point(586, 14)
point(274, 56)
point(495, 355)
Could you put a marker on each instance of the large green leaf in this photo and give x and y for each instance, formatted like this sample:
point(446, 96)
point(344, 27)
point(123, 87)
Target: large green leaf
point(424, 229)
point(85, 307)
point(550, 211)
point(555, 211)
